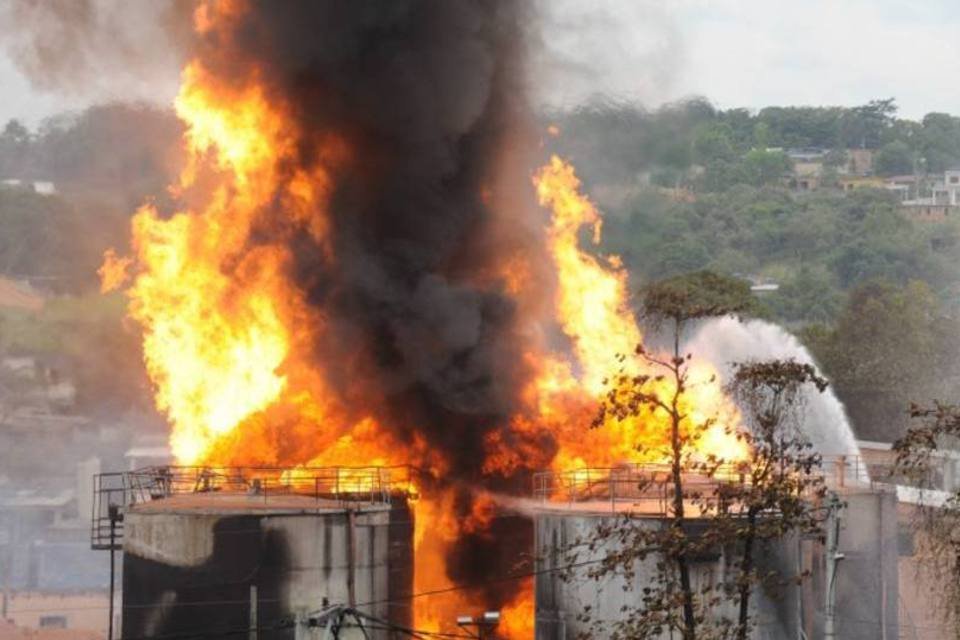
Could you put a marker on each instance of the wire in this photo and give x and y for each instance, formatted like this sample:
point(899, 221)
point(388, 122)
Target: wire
point(475, 585)
point(281, 624)
point(393, 600)
point(391, 626)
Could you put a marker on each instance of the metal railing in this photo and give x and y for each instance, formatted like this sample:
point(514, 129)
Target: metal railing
point(647, 487)
point(641, 487)
point(109, 499)
point(341, 487)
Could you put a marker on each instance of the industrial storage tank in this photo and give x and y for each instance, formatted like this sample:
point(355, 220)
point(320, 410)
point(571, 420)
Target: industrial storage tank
point(263, 552)
point(573, 505)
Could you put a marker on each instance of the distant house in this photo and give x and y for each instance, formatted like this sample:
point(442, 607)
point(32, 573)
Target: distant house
point(764, 288)
point(852, 182)
point(948, 191)
point(808, 154)
point(42, 187)
point(149, 451)
point(928, 212)
point(933, 200)
point(907, 187)
point(54, 616)
point(809, 164)
point(759, 285)
point(859, 162)
point(677, 194)
point(806, 176)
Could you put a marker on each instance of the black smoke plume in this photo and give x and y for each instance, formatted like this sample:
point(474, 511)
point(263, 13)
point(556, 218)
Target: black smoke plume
point(429, 97)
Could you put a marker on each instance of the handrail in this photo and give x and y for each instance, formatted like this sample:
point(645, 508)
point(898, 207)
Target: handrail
point(647, 486)
point(345, 487)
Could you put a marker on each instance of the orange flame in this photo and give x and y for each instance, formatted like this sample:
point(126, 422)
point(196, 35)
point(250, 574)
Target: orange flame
point(592, 306)
point(113, 271)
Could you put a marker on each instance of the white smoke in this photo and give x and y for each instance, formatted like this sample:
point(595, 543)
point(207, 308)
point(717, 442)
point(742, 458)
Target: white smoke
point(725, 341)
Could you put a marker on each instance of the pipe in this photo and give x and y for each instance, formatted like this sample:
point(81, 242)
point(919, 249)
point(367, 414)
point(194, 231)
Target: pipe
point(833, 556)
point(351, 557)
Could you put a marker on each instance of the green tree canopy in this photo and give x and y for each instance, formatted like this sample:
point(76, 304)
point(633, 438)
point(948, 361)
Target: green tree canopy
point(894, 158)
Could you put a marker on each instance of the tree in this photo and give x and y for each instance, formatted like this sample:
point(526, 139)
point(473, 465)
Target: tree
point(672, 602)
point(937, 517)
point(809, 295)
point(784, 484)
point(14, 146)
point(712, 142)
point(890, 344)
point(864, 126)
point(894, 158)
point(765, 167)
point(761, 136)
point(940, 141)
point(772, 492)
point(677, 302)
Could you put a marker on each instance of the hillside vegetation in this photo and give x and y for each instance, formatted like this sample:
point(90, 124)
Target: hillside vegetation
point(874, 294)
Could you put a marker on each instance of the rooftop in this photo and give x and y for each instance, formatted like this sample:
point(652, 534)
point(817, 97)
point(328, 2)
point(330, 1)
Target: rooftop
point(645, 489)
point(231, 502)
point(217, 490)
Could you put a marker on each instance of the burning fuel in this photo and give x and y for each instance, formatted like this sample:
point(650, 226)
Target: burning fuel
point(354, 274)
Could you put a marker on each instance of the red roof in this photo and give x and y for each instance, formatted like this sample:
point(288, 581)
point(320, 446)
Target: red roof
point(9, 631)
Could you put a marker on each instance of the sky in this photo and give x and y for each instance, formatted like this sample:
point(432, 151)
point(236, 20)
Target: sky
point(736, 53)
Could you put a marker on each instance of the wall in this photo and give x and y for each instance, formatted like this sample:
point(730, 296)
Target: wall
point(190, 572)
point(82, 610)
point(867, 587)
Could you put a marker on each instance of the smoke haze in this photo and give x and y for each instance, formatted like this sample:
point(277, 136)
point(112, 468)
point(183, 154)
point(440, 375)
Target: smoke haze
point(97, 50)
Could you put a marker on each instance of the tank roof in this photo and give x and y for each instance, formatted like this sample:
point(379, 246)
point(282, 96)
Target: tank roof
point(233, 503)
point(233, 490)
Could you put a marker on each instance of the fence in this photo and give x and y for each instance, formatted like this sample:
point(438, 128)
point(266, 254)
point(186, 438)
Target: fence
point(344, 487)
point(647, 487)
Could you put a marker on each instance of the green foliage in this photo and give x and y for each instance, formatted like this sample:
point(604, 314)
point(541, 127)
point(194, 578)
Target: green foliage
point(817, 248)
point(894, 158)
point(713, 142)
point(881, 325)
point(891, 344)
point(693, 296)
point(940, 141)
point(807, 295)
point(765, 167)
point(32, 237)
point(820, 247)
point(613, 142)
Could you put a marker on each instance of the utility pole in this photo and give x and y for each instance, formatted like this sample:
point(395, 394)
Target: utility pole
point(833, 558)
point(351, 557)
point(254, 633)
point(113, 511)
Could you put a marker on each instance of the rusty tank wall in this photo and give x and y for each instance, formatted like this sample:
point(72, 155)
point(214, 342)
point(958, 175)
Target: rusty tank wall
point(204, 571)
point(866, 580)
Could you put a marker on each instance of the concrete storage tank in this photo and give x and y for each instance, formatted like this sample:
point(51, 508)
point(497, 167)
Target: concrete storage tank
point(217, 551)
point(573, 505)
